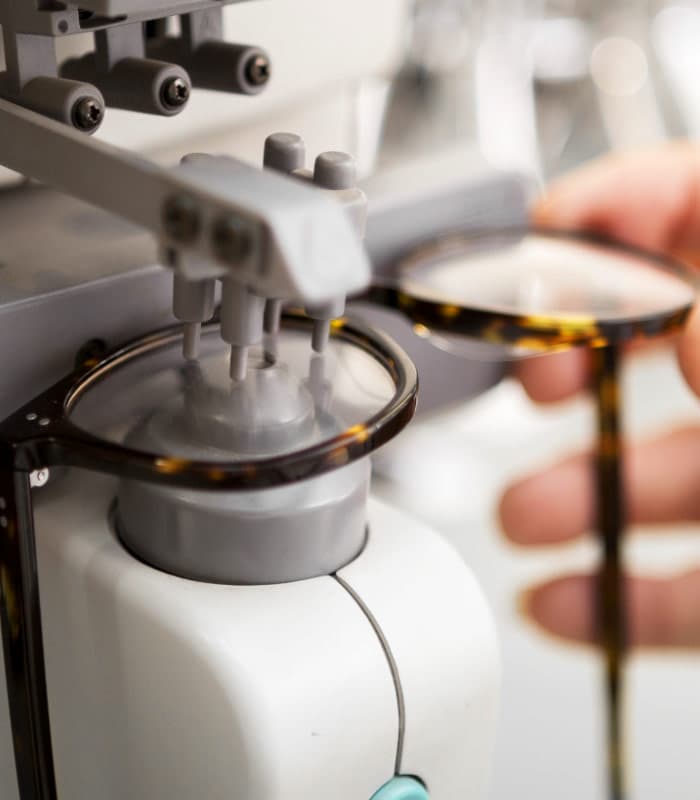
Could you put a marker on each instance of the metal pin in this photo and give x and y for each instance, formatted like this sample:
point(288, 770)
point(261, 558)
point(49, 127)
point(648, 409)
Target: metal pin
point(190, 340)
point(271, 328)
point(273, 313)
point(175, 92)
point(87, 114)
point(321, 334)
point(318, 386)
point(239, 362)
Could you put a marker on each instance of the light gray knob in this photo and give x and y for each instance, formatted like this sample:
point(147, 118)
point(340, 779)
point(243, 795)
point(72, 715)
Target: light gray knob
point(334, 170)
point(284, 152)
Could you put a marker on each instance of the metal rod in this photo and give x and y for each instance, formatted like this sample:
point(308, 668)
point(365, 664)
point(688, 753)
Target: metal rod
point(190, 340)
point(20, 619)
point(321, 335)
point(271, 328)
point(238, 367)
point(610, 595)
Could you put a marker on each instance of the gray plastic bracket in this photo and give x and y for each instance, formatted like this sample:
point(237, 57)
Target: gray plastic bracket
point(271, 232)
point(63, 19)
point(127, 79)
point(28, 57)
point(202, 26)
point(114, 44)
point(211, 62)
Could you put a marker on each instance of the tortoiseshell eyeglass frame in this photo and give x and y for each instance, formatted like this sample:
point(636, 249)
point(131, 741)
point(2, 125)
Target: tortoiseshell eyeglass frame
point(529, 332)
point(537, 333)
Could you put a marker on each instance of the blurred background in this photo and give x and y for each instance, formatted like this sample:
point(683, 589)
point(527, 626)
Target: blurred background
point(542, 86)
point(539, 88)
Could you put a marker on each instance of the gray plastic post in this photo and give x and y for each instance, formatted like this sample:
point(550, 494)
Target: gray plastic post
point(193, 304)
point(60, 99)
point(271, 328)
point(273, 312)
point(319, 387)
point(241, 323)
point(334, 170)
point(322, 315)
point(284, 152)
point(193, 158)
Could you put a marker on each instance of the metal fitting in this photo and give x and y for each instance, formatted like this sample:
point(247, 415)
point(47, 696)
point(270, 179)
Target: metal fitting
point(39, 477)
point(87, 114)
point(175, 93)
point(231, 240)
point(181, 219)
point(257, 69)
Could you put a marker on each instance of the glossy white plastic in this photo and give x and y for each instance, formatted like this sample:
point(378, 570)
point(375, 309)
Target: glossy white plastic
point(162, 687)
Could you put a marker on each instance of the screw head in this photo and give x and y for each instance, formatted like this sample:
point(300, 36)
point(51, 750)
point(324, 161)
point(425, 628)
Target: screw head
point(181, 219)
point(175, 92)
point(87, 114)
point(257, 69)
point(231, 240)
point(39, 477)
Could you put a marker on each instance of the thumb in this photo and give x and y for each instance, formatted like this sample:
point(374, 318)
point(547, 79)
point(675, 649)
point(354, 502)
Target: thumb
point(649, 198)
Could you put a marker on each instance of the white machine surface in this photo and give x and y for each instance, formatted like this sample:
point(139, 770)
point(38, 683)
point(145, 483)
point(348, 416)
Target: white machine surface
point(161, 687)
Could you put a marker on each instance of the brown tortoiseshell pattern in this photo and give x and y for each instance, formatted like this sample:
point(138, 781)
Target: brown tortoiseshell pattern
point(609, 612)
point(533, 332)
point(60, 442)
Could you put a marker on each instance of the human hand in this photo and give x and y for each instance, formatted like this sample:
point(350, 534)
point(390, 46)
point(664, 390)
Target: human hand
point(651, 200)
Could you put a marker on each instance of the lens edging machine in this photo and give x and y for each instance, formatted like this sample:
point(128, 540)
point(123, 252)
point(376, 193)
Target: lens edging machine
point(373, 677)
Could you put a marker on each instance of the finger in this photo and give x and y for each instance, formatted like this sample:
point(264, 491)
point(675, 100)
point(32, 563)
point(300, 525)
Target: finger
point(555, 376)
point(689, 351)
point(554, 505)
point(660, 612)
point(662, 476)
point(650, 199)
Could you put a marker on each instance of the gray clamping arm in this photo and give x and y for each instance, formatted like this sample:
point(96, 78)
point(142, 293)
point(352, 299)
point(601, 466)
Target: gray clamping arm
point(213, 217)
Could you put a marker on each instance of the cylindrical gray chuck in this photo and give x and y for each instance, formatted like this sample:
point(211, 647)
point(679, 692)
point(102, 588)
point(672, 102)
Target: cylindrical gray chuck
point(276, 535)
point(302, 530)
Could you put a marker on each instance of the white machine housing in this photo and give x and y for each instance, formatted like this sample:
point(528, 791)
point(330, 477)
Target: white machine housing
point(165, 688)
